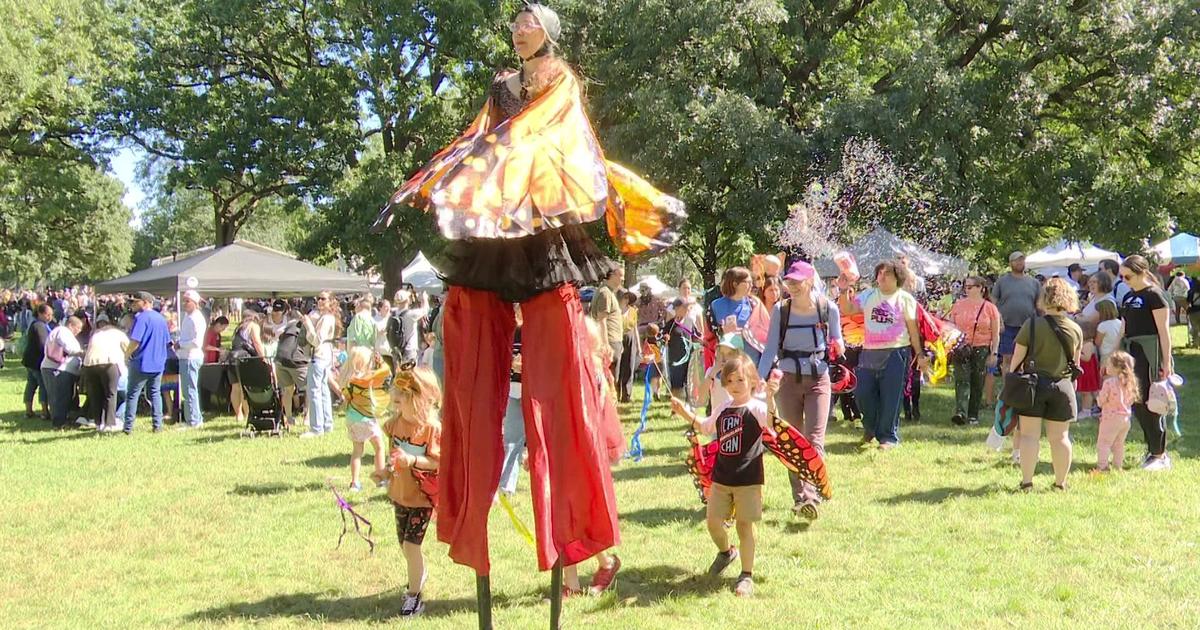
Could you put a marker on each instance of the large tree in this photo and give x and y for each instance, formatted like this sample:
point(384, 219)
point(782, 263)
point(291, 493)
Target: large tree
point(245, 101)
point(61, 217)
point(1017, 120)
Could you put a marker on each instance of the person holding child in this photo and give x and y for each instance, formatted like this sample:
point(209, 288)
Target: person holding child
point(737, 474)
point(1117, 397)
point(364, 383)
point(414, 432)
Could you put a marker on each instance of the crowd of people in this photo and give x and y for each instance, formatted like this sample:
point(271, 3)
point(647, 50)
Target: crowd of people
point(779, 335)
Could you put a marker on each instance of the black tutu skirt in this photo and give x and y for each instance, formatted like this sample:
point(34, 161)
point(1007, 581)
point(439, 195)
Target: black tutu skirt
point(518, 269)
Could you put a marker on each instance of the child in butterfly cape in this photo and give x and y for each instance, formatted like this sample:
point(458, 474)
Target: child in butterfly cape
point(414, 432)
point(363, 382)
point(737, 475)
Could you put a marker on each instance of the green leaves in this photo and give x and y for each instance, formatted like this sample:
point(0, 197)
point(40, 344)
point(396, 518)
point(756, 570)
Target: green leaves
point(61, 218)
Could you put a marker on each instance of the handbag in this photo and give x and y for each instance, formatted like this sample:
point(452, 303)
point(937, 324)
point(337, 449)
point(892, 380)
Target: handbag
point(962, 351)
point(1020, 388)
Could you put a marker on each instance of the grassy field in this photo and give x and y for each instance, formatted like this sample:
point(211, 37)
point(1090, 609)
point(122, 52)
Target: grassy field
point(208, 529)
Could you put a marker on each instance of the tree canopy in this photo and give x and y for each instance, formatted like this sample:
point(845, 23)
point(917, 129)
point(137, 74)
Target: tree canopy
point(61, 217)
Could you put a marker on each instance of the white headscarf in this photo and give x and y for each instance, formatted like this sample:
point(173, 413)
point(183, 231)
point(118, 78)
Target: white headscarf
point(548, 19)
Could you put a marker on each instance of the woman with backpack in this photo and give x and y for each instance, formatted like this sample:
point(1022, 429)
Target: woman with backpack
point(805, 329)
point(1052, 344)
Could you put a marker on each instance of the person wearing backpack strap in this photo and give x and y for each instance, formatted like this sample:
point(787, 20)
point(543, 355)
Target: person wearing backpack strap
point(980, 323)
point(1053, 354)
point(805, 329)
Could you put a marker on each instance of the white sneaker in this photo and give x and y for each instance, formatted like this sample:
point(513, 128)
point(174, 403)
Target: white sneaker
point(412, 605)
point(1155, 464)
point(309, 434)
point(85, 423)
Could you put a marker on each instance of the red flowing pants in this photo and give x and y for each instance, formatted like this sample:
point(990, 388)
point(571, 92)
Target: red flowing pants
point(574, 509)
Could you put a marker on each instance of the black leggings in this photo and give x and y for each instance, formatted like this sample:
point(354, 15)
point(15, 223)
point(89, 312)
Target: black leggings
point(100, 381)
point(1154, 426)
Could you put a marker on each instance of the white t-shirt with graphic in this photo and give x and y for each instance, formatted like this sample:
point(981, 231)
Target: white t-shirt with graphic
point(885, 318)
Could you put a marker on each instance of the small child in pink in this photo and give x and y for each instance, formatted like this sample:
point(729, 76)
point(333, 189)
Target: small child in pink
point(1117, 396)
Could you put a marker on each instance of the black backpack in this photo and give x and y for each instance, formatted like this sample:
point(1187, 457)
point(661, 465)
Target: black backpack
point(785, 312)
point(293, 350)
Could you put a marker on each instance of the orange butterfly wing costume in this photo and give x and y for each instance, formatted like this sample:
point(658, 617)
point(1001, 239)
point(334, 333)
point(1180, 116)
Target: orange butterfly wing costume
point(507, 178)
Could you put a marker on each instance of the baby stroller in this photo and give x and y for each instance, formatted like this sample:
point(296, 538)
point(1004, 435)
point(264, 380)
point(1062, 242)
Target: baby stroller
point(262, 397)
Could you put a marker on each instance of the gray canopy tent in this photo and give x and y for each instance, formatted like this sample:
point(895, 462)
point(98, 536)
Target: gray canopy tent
point(240, 269)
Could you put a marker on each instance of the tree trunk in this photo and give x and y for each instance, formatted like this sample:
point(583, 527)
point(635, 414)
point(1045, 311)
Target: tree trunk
point(390, 269)
point(631, 269)
point(226, 228)
point(708, 268)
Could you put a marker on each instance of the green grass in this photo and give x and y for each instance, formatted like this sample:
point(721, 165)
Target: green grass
point(207, 529)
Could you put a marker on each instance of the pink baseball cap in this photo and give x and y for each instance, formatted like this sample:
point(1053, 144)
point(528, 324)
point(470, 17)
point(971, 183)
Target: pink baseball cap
point(800, 271)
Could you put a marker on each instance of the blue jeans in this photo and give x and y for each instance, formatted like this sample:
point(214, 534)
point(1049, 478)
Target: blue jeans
point(122, 395)
point(189, 390)
point(139, 380)
point(514, 444)
point(320, 402)
point(35, 382)
point(879, 393)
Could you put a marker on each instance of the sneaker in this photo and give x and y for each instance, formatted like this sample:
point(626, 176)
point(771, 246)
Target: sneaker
point(412, 605)
point(604, 577)
point(972, 421)
point(744, 587)
point(1025, 486)
point(722, 561)
point(382, 483)
point(887, 446)
point(1154, 464)
point(806, 510)
point(1016, 457)
point(356, 487)
point(309, 434)
point(958, 419)
point(85, 423)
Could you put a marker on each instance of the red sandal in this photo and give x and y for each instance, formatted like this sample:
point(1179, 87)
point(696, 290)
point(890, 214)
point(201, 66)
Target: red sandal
point(604, 577)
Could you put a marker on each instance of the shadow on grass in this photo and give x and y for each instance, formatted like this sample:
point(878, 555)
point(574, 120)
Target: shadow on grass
point(328, 461)
point(934, 496)
point(670, 451)
point(650, 586)
point(376, 608)
point(271, 489)
point(656, 517)
point(631, 470)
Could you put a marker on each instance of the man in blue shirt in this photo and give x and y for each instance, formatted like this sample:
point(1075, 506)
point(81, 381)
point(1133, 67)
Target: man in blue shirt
point(147, 353)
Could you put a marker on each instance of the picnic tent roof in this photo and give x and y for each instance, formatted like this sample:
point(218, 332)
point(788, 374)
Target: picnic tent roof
point(1064, 254)
point(880, 245)
point(422, 274)
point(1181, 249)
point(237, 270)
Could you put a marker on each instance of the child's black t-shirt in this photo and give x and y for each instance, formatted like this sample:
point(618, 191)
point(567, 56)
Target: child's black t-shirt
point(740, 452)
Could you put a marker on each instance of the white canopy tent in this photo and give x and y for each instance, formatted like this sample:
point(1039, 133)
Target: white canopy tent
point(657, 287)
point(880, 245)
point(423, 275)
point(1063, 254)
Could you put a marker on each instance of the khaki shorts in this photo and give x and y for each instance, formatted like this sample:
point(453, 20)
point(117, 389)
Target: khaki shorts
point(291, 377)
point(363, 431)
point(744, 503)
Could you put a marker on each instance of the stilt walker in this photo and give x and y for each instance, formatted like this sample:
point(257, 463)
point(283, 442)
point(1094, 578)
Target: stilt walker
point(513, 195)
